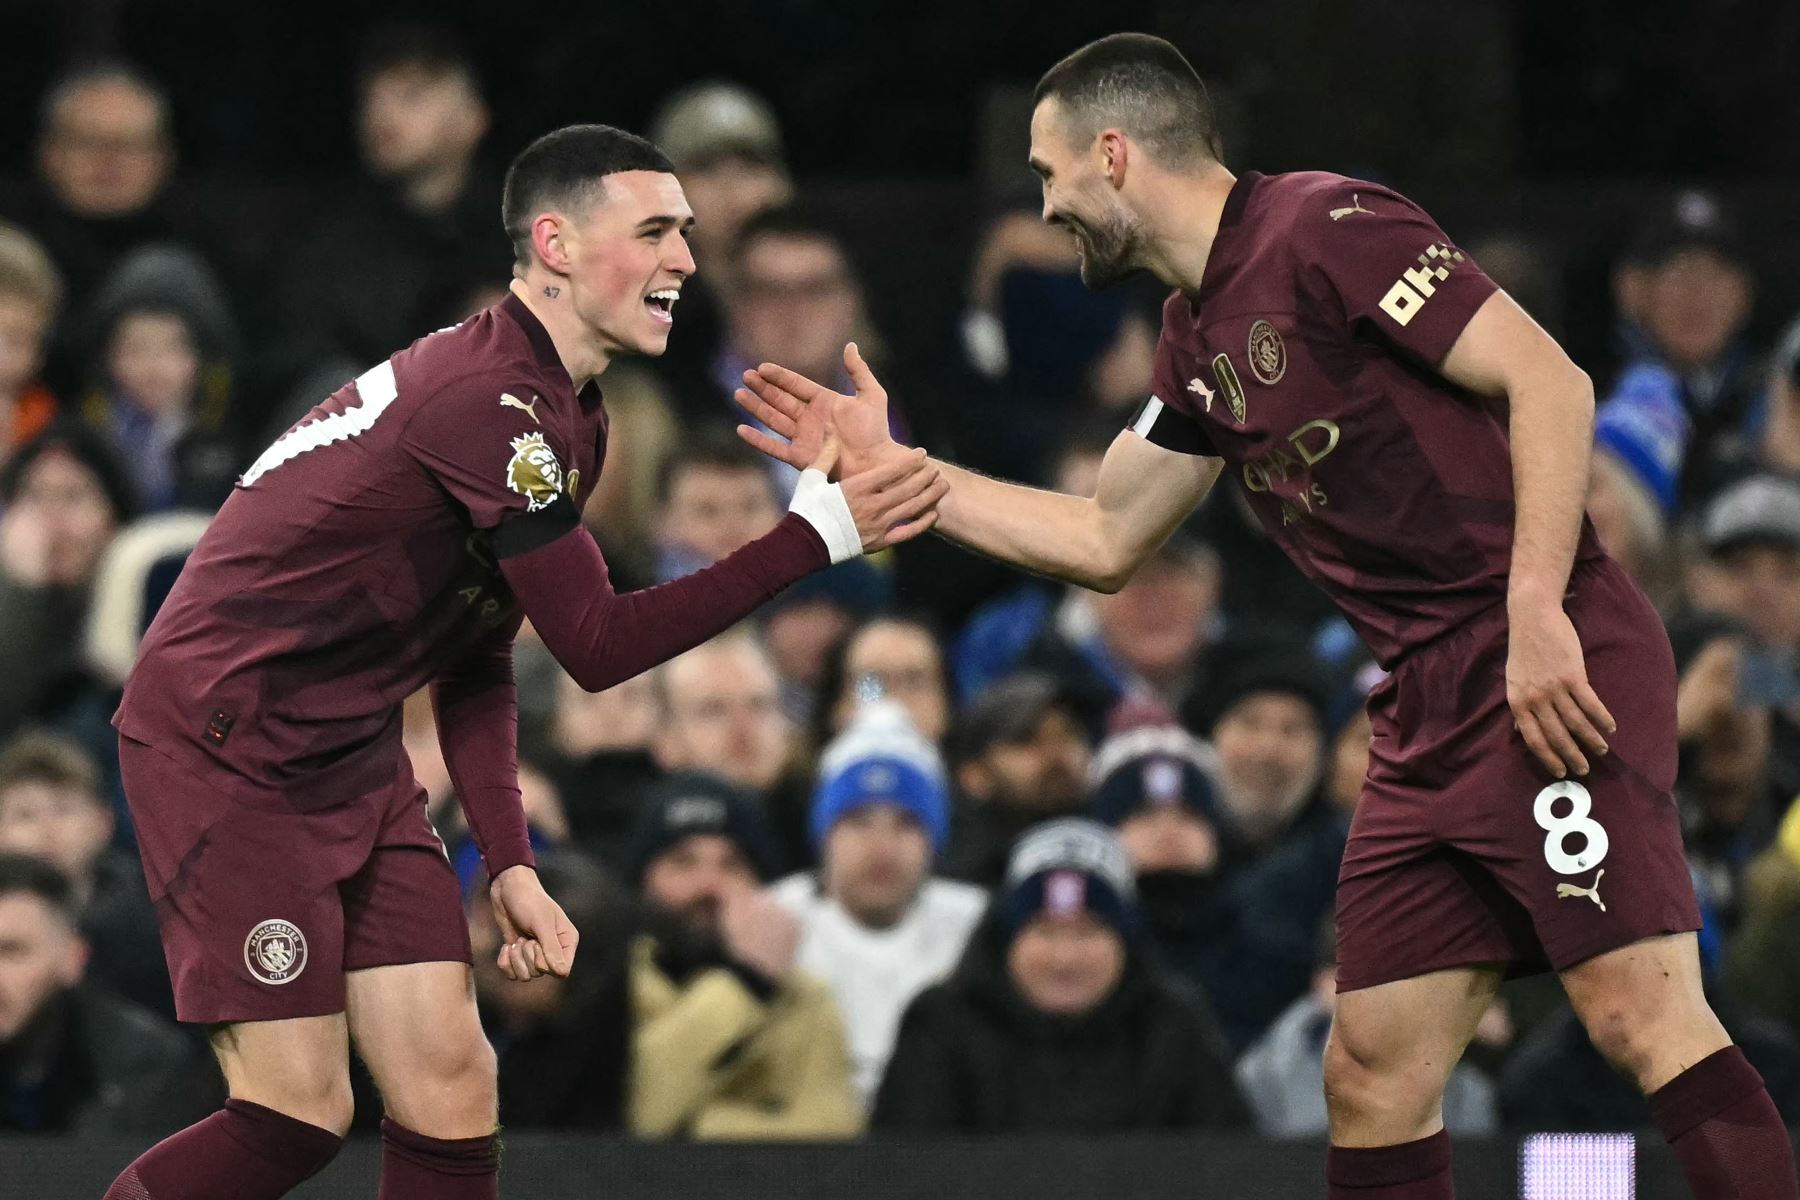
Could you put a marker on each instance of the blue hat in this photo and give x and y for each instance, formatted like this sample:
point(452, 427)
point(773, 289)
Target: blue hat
point(882, 759)
point(1645, 423)
point(1065, 868)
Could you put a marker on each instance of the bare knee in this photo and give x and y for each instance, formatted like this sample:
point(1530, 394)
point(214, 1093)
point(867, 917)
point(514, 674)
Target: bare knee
point(298, 1070)
point(1381, 1094)
point(448, 1090)
point(1645, 1011)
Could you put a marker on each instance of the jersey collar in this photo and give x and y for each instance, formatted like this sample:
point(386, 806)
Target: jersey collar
point(1218, 259)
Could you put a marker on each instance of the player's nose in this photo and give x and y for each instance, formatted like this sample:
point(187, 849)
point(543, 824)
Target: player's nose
point(681, 262)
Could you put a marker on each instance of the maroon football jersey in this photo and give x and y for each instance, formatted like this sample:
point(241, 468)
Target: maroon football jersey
point(355, 563)
point(1308, 362)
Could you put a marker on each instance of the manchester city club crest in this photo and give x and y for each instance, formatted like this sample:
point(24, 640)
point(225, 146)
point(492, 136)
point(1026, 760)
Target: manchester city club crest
point(275, 952)
point(1268, 357)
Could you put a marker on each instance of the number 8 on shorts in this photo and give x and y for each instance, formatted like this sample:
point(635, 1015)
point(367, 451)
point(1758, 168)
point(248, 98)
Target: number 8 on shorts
point(1576, 821)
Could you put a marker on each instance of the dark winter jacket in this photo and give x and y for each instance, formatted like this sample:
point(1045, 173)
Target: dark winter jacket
point(973, 1056)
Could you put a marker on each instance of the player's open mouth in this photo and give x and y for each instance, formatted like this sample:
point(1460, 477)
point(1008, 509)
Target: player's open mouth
point(661, 305)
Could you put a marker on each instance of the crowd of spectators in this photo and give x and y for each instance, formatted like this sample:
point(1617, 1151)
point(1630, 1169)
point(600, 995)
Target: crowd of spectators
point(894, 855)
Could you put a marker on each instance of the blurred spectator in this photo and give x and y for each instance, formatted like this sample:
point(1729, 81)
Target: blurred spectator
point(105, 156)
point(725, 143)
point(1283, 1074)
point(1057, 1019)
point(65, 496)
point(1729, 804)
point(424, 216)
point(874, 925)
point(795, 299)
point(1762, 963)
point(74, 1060)
point(802, 624)
point(52, 808)
point(1265, 714)
point(1748, 570)
point(1159, 787)
point(30, 296)
point(713, 496)
point(134, 577)
point(598, 754)
point(1020, 755)
point(730, 1039)
point(1779, 448)
point(1640, 441)
point(722, 714)
point(1153, 637)
point(641, 433)
point(163, 341)
point(563, 1044)
point(898, 658)
point(1053, 350)
point(1685, 293)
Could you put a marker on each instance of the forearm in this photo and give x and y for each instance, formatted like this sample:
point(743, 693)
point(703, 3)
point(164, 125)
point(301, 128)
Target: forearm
point(1042, 531)
point(602, 637)
point(1552, 427)
point(478, 728)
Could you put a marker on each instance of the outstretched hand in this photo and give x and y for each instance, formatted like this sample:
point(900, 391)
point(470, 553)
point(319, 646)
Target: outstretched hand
point(537, 937)
point(799, 411)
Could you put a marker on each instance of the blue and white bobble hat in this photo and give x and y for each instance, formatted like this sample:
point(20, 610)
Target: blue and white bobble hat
point(880, 758)
point(1065, 868)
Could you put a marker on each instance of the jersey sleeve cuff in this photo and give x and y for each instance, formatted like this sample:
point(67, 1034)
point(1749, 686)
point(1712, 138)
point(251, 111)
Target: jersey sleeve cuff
point(512, 852)
point(822, 505)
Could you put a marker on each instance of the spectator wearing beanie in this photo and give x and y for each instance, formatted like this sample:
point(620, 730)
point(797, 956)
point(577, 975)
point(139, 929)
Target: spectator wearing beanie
point(1057, 1019)
point(730, 1040)
point(874, 924)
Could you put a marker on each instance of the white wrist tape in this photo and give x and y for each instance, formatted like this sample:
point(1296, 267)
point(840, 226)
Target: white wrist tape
point(823, 506)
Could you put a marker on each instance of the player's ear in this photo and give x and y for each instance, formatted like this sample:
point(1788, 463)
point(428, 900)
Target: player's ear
point(1114, 151)
point(549, 240)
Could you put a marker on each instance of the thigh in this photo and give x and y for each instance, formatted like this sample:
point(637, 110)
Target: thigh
point(1420, 1024)
point(404, 905)
point(1408, 906)
point(245, 893)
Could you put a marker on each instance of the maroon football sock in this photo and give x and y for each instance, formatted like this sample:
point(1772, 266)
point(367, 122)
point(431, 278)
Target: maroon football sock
point(1718, 1116)
point(416, 1167)
point(1410, 1171)
point(242, 1152)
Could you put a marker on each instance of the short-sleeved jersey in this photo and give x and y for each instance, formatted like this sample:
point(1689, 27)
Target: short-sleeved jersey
point(355, 562)
point(1308, 362)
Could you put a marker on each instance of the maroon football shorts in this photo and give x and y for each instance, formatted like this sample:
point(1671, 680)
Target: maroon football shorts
point(1464, 850)
point(263, 909)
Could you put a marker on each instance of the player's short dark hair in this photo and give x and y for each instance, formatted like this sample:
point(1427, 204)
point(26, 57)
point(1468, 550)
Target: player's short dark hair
point(32, 876)
point(39, 756)
point(434, 49)
point(565, 169)
point(715, 449)
point(1142, 85)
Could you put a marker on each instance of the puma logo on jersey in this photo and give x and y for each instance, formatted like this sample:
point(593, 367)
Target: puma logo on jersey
point(1338, 214)
point(1565, 891)
point(1199, 388)
point(507, 400)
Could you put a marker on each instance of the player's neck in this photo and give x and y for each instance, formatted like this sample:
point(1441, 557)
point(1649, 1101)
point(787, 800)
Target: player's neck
point(1188, 210)
point(574, 342)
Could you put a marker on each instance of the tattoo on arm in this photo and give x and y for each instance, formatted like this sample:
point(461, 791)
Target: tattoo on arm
point(552, 292)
